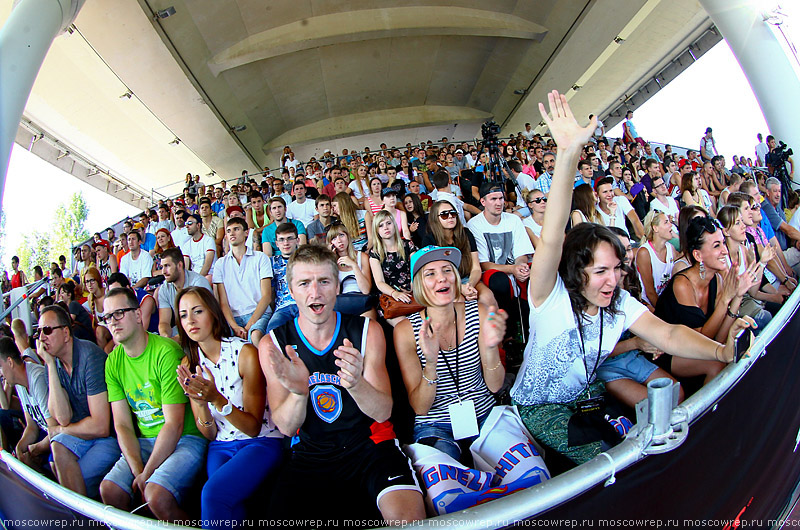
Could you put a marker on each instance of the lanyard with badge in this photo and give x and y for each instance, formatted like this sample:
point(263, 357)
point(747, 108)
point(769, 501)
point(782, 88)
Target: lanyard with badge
point(590, 404)
point(463, 419)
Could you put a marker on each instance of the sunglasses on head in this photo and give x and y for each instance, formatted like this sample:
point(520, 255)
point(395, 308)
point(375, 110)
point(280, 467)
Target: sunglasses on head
point(448, 214)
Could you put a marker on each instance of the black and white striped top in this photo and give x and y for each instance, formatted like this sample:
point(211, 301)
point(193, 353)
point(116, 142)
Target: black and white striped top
point(470, 371)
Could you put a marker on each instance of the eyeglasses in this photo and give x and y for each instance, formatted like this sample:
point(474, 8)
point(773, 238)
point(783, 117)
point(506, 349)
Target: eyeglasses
point(117, 315)
point(47, 330)
point(88, 281)
point(449, 214)
point(286, 239)
point(538, 200)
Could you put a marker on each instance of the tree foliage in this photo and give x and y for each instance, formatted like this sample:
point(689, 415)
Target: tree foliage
point(68, 226)
point(34, 250)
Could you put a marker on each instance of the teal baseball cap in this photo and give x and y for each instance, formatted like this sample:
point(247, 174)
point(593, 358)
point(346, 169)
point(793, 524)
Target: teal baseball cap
point(431, 253)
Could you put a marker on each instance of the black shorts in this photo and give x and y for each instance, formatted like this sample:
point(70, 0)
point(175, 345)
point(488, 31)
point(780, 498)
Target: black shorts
point(307, 486)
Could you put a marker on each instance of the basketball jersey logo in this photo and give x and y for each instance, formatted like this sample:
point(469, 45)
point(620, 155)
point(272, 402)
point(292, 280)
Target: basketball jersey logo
point(327, 402)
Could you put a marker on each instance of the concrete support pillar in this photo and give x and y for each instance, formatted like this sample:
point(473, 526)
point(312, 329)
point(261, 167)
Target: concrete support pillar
point(764, 63)
point(24, 41)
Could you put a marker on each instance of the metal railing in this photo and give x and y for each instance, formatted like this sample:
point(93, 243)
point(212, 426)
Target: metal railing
point(31, 288)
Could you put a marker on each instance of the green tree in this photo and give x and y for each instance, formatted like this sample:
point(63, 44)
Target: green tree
point(34, 250)
point(68, 226)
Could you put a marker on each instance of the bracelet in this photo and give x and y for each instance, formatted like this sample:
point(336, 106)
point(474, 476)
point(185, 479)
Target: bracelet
point(499, 362)
point(205, 423)
point(732, 315)
point(430, 381)
point(785, 280)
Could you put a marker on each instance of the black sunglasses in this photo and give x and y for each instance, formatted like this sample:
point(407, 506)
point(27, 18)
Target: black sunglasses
point(538, 200)
point(448, 214)
point(47, 330)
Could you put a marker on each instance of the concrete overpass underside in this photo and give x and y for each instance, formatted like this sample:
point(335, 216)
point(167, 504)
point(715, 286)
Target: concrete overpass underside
point(222, 86)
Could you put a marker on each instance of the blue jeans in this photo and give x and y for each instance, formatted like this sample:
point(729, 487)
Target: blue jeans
point(260, 325)
point(175, 474)
point(282, 316)
point(235, 470)
point(95, 457)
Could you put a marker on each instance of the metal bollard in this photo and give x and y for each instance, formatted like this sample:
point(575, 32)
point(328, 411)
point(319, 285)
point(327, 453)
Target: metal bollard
point(659, 397)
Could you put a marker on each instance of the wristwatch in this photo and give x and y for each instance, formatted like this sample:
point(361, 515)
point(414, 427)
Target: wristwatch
point(227, 409)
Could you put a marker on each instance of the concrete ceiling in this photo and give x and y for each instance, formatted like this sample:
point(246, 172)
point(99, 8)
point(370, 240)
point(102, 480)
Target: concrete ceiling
point(320, 74)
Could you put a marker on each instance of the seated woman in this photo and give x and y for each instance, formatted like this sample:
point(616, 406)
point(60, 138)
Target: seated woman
point(82, 320)
point(693, 194)
point(358, 222)
point(389, 261)
point(700, 298)
point(389, 196)
point(417, 218)
point(686, 214)
point(583, 206)
point(448, 352)
point(655, 257)
point(578, 313)
point(228, 395)
point(741, 258)
point(355, 278)
point(627, 370)
point(97, 295)
point(374, 202)
point(445, 230)
point(163, 242)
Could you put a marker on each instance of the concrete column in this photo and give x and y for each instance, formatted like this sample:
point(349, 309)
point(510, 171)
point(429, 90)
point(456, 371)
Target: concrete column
point(24, 41)
point(765, 65)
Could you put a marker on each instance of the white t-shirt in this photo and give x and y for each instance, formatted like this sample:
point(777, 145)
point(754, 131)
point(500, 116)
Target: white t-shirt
point(358, 192)
point(761, 152)
point(502, 243)
point(528, 222)
point(525, 183)
point(599, 131)
point(197, 250)
point(794, 222)
point(302, 212)
point(671, 209)
point(34, 400)
point(136, 269)
point(623, 207)
point(553, 369)
point(243, 280)
point(179, 236)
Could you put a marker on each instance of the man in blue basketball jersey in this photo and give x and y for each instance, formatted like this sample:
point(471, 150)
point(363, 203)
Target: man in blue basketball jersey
point(327, 383)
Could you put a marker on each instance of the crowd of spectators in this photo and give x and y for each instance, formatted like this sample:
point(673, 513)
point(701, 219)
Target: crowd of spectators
point(604, 263)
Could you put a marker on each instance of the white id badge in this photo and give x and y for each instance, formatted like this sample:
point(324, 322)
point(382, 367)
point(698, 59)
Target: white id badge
point(463, 419)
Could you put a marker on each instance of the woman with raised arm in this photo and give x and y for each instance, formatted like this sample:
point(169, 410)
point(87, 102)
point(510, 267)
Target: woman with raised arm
point(228, 395)
point(448, 352)
point(578, 313)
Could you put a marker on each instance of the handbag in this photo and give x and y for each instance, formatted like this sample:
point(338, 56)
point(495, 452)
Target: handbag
point(392, 308)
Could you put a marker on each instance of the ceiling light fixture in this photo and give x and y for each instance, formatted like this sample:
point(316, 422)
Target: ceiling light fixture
point(176, 141)
point(520, 91)
point(127, 94)
point(239, 128)
point(165, 13)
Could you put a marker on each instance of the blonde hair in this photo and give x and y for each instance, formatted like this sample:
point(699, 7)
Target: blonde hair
point(650, 221)
point(378, 245)
point(347, 213)
point(334, 231)
point(419, 291)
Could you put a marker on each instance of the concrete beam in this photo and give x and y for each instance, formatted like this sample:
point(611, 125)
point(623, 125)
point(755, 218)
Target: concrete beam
point(370, 24)
point(375, 121)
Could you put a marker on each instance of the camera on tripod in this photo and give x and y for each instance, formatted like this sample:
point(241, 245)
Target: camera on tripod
point(781, 154)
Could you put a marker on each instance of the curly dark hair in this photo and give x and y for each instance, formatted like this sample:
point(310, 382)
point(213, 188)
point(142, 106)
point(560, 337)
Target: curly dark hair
point(580, 244)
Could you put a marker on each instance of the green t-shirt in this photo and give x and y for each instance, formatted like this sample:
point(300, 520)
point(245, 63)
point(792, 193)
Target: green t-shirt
point(147, 382)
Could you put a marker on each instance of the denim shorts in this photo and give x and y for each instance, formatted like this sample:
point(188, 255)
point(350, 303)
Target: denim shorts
point(628, 365)
point(282, 316)
point(260, 325)
point(95, 457)
point(176, 474)
point(442, 432)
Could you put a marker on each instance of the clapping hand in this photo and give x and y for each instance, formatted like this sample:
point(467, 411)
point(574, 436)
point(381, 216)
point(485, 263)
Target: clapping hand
point(289, 369)
point(351, 364)
point(199, 386)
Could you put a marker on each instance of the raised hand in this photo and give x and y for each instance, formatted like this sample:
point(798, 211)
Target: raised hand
point(493, 329)
point(350, 363)
point(429, 342)
point(564, 129)
point(291, 372)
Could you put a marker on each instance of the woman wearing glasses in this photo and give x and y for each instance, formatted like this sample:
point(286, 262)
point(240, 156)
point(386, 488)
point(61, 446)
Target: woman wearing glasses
point(537, 202)
point(97, 294)
point(706, 297)
point(579, 312)
point(445, 230)
point(227, 391)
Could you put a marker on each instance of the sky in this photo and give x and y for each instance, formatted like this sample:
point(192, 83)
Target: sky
point(678, 114)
